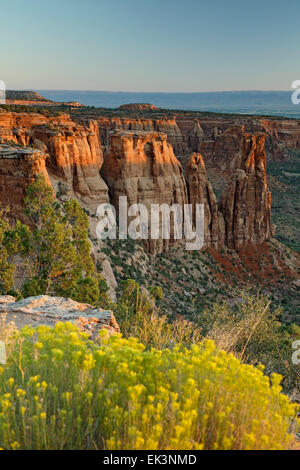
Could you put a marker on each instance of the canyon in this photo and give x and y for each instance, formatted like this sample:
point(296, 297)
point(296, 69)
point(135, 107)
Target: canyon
point(214, 136)
point(156, 156)
point(139, 162)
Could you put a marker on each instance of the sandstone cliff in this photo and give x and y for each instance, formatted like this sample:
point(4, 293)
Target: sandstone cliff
point(18, 168)
point(75, 150)
point(167, 126)
point(217, 133)
point(246, 204)
point(200, 191)
point(143, 167)
point(244, 213)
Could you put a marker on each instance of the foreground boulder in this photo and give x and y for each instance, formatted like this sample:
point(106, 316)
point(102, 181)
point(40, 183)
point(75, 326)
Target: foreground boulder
point(46, 310)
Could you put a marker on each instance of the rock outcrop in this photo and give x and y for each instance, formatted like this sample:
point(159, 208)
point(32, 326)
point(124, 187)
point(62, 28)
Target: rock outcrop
point(200, 191)
point(220, 133)
point(167, 126)
point(246, 204)
point(140, 164)
point(75, 151)
point(46, 310)
point(219, 138)
point(18, 168)
point(244, 213)
point(143, 167)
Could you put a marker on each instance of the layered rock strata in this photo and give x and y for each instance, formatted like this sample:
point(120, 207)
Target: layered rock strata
point(246, 204)
point(18, 168)
point(143, 167)
point(75, 150)
point(200, 191)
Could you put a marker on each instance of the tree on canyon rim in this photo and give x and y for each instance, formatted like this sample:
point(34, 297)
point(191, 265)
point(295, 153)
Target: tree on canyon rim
point(10, 243)
point(58, 257)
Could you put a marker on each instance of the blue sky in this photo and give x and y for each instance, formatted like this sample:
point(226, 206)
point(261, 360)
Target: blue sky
point(150, 45)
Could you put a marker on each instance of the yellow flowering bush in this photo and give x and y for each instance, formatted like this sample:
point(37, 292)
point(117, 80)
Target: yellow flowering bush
point(60, 390)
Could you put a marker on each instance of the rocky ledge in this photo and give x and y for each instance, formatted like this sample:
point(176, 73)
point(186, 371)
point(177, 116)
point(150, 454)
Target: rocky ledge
point(46, 310)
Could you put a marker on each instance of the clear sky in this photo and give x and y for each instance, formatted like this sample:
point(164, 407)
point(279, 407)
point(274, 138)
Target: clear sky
point(150, 45)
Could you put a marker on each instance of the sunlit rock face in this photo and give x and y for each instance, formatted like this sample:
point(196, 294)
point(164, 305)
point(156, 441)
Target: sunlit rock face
point(18, 168)
point(200, 191)
point(75, 150)
point(246, 203)
point(142, 166)
point(167, 126)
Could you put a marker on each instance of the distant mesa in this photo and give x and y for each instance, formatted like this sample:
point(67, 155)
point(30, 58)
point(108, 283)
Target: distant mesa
point(20, 95)
point(137, 107)
point(28, 98)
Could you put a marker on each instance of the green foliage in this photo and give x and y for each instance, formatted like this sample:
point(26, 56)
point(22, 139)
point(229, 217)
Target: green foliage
point(60, 390)
point(59, 251)
point(11, 241)
point(138, 316)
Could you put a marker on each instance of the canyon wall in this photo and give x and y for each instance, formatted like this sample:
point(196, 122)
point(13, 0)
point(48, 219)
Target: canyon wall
point(200, 191)
point(221, 134)
point(246, 203)
point(167, 126)
point(219, 138)
point(244, 214)
point(75, 150)
point(18, 168)
point(142, 166)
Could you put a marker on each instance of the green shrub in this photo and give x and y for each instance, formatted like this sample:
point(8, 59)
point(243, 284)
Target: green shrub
point(59, 390)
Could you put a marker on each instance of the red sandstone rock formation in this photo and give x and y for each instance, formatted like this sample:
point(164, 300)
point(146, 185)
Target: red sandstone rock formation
point(246, 204)
point(167, 126)
point(75, 150)
point(216, 137)
point(142, 166)
point(200, 191)
point(281, 135)
point(18, 168)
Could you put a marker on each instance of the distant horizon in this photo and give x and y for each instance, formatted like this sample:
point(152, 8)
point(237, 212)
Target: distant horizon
point(254, 102)
point(151, 91)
